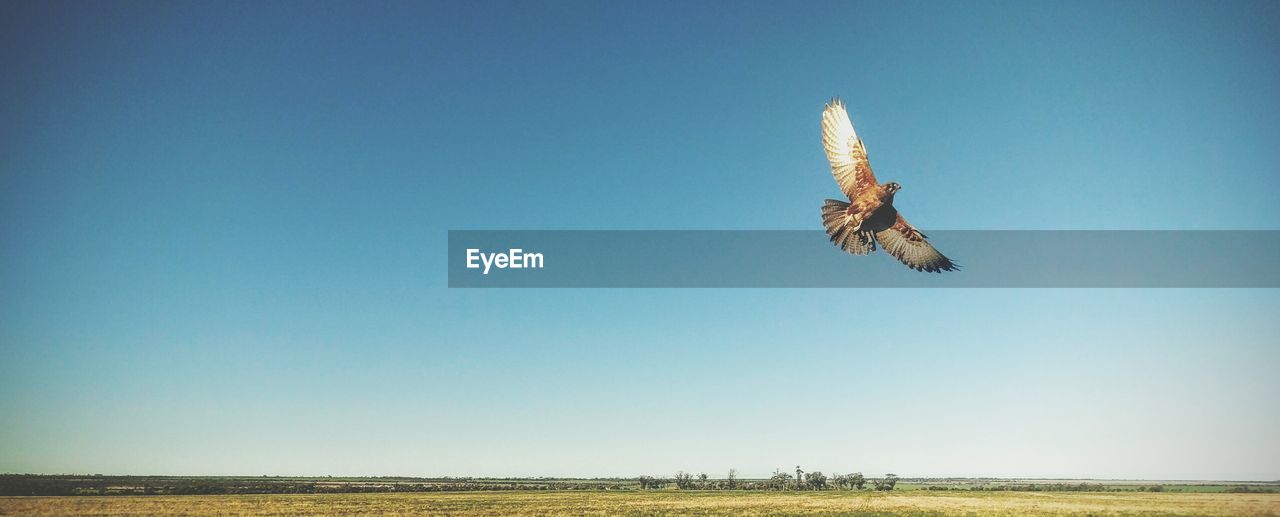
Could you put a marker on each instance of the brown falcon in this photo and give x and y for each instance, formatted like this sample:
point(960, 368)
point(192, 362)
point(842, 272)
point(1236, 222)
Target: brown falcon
point(869, 216)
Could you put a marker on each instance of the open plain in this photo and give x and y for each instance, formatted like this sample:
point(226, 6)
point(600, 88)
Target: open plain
point(615, 502)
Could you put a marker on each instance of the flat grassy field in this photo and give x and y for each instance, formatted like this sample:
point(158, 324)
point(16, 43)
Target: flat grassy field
point(659, 502)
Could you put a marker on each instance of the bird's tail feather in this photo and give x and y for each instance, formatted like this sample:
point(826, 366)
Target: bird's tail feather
point(840, 228)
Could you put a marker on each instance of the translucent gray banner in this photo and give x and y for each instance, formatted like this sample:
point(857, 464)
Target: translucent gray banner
point(714, 258)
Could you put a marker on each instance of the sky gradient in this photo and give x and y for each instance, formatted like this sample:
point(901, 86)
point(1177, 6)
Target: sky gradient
point(223, 237)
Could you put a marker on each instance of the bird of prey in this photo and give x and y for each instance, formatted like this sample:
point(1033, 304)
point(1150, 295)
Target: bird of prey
point(869, 216)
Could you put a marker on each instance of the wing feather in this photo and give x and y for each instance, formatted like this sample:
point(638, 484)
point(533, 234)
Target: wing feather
point(845, 152)
point(909, 246)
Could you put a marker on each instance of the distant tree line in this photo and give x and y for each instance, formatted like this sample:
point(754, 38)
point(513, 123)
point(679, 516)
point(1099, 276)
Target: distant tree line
point(780, 480)
point(28, 484)
point(1044, 487)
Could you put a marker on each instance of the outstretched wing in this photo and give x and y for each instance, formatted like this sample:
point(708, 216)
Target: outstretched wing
point(909, 246)
point(845, 151)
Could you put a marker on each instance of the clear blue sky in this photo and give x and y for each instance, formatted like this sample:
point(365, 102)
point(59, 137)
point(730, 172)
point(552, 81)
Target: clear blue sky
point(223, 229)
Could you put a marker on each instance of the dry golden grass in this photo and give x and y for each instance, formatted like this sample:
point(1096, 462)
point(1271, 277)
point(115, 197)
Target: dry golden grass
point(660, 502)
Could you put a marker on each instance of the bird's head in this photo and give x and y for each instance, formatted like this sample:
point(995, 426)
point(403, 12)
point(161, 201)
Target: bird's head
point(892, 187)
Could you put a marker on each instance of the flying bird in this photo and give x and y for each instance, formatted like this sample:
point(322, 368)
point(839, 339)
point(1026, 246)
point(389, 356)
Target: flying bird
point(869, 216)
